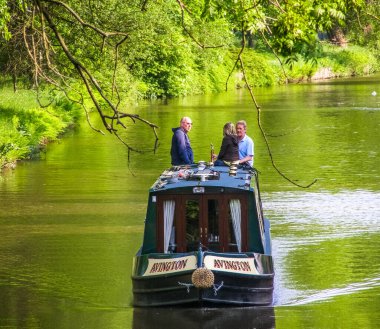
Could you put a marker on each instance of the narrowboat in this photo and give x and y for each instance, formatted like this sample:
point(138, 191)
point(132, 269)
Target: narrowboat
point(206, 241)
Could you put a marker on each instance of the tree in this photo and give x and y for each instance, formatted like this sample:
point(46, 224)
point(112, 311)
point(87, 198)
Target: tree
point(286, 27)
point(363, 24)
point(103, 47)
point(69, 50)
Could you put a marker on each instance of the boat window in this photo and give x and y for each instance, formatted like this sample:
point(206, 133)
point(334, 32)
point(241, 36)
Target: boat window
point(169, 229)
point(192, 224)
point(234, 223)
point(217, 223)
point(212, 232)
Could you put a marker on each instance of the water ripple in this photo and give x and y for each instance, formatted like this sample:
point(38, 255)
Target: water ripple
point(318, 296)
point(355, 211)
point(302, 219)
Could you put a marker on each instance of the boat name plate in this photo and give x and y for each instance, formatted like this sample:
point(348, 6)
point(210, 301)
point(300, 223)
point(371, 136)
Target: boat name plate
point(229, 264)
point(159, 266)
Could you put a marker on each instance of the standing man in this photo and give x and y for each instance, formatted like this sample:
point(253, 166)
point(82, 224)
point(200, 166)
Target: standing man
point(181, 150)
point(245, 144)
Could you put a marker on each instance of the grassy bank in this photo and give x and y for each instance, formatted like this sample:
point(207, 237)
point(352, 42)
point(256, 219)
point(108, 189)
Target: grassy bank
point(26, 127)
point(264, 69)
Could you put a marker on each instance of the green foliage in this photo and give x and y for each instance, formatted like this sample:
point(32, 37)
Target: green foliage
point(164, 52)
point(363, 24)
point(353, 60)
point(108, 54)
point(26, 128)
point(301, 69)
point(5, 17)
point(262, 69)
point(287, 26)
point(165, 59)
point(14, 144)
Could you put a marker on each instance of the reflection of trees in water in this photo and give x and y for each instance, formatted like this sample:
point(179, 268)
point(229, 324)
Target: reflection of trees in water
point(199, 318)
point(192, 221)
point(213, 216)
point(192, 210)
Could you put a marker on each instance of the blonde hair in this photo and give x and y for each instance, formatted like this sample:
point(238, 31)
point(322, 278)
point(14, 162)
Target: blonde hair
point(229, 129)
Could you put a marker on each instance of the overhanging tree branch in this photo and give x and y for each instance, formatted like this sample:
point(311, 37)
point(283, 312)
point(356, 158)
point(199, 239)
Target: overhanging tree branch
point(183, 9)
point(93, 87)
point(105, 34)
point(239, 60)
point(258, 109)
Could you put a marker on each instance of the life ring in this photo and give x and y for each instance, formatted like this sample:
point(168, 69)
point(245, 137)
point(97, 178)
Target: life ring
point(202, 278)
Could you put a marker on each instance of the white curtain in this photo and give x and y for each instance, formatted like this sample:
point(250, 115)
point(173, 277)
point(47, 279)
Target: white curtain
point(236, 221)
point(169, 207)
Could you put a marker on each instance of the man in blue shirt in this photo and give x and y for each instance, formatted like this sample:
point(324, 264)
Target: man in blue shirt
point(181, 151)
point(246, 146)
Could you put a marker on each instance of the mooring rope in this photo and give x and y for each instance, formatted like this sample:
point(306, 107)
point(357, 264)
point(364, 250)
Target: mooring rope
point(217, 288)
point(187, 285)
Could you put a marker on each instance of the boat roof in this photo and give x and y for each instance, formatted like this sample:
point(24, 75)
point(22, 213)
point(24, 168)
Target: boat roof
point(205, 175)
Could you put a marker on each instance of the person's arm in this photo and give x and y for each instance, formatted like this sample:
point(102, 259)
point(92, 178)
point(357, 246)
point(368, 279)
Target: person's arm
point(246, 159)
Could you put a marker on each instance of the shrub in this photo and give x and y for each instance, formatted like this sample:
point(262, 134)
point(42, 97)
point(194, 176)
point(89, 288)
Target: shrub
point(26, 128)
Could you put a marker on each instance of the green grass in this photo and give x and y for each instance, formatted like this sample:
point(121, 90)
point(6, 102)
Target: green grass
point(26, 127)
point(264, 69)
point(353, 60)
point(340, 62)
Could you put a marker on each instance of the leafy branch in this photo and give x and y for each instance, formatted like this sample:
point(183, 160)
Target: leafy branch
point(239, 61)
point(184, 9)
point(263, 133)
point(43, 37)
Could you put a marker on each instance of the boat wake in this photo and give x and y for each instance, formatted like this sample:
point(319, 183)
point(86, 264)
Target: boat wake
point(325, 217)
point(328, 294)
point(346, 212)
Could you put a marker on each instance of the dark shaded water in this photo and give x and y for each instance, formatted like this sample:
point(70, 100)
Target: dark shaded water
point(71, 223)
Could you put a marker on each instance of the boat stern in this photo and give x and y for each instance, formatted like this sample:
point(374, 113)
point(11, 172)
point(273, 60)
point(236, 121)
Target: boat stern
point(171, 279)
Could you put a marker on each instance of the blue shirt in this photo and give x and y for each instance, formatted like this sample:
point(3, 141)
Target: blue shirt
point(246, 147)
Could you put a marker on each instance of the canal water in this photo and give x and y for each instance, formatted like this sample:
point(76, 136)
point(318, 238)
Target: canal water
point(71, 222)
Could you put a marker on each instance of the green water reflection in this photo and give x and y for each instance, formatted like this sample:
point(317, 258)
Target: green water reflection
point(71, 223)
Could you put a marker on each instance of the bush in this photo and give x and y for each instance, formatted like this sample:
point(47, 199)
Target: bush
point(26, 128)
point(350, 61)
point(262, 69)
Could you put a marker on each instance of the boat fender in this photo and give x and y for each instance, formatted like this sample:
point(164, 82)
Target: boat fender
point(202, 278)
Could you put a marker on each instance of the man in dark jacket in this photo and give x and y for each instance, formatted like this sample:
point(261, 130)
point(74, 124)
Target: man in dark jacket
point(181, 150)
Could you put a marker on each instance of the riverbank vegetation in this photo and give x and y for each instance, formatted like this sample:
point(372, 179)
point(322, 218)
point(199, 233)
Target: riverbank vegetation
point(105, 55)
point(26, 127)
